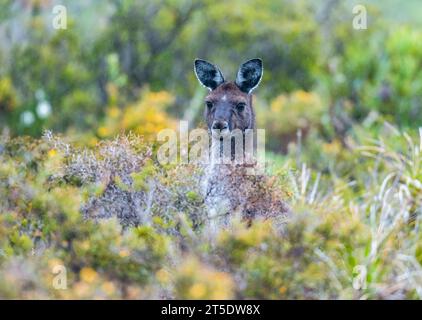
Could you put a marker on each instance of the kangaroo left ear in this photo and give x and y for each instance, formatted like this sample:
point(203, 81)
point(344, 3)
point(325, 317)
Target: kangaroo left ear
point(249, 75)
point(208, 74)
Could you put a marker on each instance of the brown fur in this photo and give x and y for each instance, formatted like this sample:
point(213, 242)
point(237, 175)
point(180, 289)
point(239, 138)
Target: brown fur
point(225, 109)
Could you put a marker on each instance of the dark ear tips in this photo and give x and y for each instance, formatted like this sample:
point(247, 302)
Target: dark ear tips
point(249, 75)
point(256, 61)
point(198, 61)
point(208, 74)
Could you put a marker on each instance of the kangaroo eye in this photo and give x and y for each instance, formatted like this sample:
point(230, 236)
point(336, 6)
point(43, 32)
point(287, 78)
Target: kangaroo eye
point(240, 106)
point(209, 104)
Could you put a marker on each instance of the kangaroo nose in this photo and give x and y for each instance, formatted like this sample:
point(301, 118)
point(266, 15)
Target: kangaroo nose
point(220, 125)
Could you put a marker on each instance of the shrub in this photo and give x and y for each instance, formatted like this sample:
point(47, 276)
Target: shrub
point(346, 237)
point(145, 117)
point(288, 113)
point(386, 81)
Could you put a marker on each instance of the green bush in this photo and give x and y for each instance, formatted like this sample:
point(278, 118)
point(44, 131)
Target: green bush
point(337, 227)
point(380, 72)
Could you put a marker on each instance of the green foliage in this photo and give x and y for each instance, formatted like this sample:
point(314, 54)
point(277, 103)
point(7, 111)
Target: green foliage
point(380, 72)
point(148, 44)
point(336, 226)
point(287, 114)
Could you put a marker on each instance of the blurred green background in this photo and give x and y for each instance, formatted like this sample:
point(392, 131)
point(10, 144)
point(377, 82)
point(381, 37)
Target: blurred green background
point(127, 65)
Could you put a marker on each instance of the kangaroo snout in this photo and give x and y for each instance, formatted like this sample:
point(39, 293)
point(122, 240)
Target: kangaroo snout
point(220, 125)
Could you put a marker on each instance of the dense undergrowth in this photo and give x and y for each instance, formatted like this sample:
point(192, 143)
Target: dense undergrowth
point(123, 226)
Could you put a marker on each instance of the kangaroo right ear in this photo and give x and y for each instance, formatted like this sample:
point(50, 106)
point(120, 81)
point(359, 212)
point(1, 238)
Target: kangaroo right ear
point(208, 74)
point(249, 75)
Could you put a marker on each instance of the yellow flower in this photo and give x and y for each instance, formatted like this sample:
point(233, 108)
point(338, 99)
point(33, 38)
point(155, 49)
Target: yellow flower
point(332, 148)
point(278, 103)
point(92, 141)
point(88, 275)
point(52, 153)
point(197, 291)
point(114, 112)
point(303, 96)
point(282, 290)
point(85, 245)
point(124, 253)
point(103, 131)
point(197, 281)
point(223, 286)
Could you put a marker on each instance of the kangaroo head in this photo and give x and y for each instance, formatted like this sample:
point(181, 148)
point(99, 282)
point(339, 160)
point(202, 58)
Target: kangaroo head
point(228, 106)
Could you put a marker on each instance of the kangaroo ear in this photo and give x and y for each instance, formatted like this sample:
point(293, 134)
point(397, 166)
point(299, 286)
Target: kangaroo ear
point(249, 75)
point(208, 74)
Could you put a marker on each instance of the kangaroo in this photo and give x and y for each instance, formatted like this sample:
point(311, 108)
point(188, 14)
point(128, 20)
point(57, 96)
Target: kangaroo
point(228, 107)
